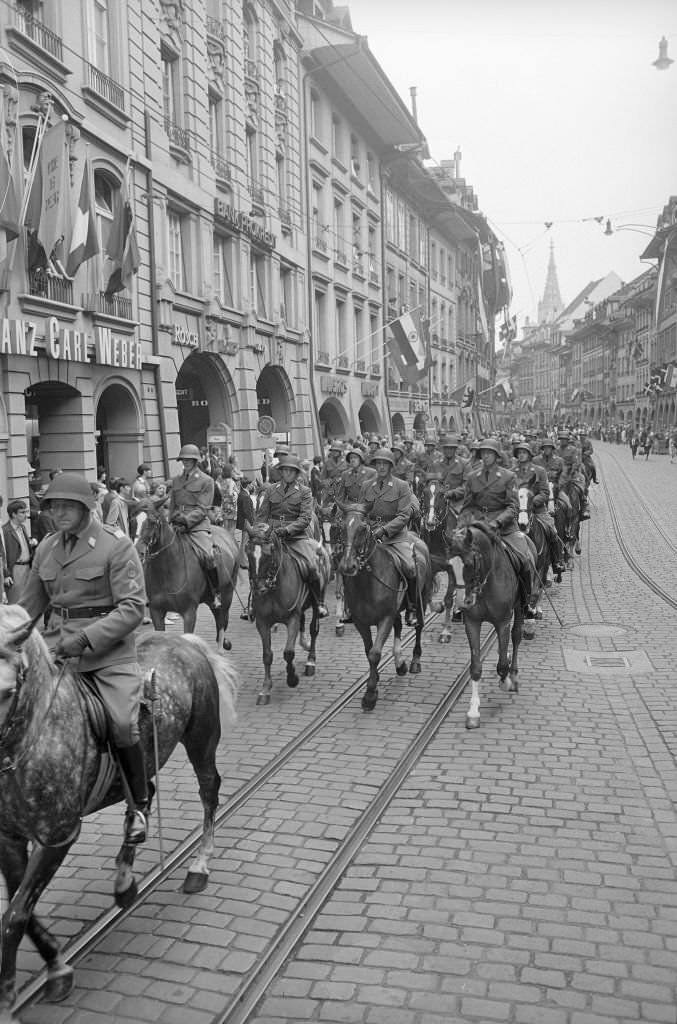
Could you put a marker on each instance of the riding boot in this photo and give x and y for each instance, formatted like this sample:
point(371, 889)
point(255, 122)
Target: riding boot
point(585, 508)
point(248, 613)
point(133, 767)
point(411, 613)
point(557, 555)
point(213, 580)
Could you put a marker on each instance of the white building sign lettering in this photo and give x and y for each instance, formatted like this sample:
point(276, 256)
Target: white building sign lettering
point(65, 344)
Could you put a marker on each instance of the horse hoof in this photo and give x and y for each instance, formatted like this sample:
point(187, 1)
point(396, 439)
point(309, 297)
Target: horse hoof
point(415, 668)
point(292, 681)
point(369, 701)
point(558, 577)
point(310, 670)
point(340, 629)
point(196, 881)
point(402, 669)
point(528, 635)
point(539, 615)
point(577, 549)
point(444, 638)
point(472, 722)
point(227, 645)
point(59, 984)
point(263, 698)
point(127, 897)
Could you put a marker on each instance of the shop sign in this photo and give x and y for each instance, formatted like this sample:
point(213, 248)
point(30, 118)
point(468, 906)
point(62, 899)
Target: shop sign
point(242, 222)
point(332, 386)
point(65, 344)
point(182, 336)
point(369, 389)
point(399, 404)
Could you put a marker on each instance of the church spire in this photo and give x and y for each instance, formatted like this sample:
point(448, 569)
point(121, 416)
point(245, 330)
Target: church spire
point(551, 305)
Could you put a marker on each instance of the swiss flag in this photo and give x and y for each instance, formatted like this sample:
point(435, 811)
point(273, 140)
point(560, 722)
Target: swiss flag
point(84, 240)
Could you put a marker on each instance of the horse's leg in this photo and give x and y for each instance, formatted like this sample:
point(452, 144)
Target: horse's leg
point(415, 663)
point(400, 660)
point(503, 664)
point(370, 695)
point(445, 635)
point(34, 873)
point(201, 741)
point(472, 631)
point(304, 641)
point(264, 633)
point(340, 605)
point(314, 630)
point(158, 619)
point(290, 649)
point(373, 657)
point(516, 637)
point(189, 616)
point(125, 889)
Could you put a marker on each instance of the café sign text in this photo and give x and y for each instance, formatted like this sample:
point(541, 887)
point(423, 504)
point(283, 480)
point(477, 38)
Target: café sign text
point(21, 338)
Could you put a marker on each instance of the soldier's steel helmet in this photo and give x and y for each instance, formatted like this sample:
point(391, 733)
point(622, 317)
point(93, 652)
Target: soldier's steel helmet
point(189, 451)
point(383, 455)
point(547, 442)
point(490, 445)
point(71, 487)
point(289, 462)
point(449, 441)
point(522, 446)
point(355, 451)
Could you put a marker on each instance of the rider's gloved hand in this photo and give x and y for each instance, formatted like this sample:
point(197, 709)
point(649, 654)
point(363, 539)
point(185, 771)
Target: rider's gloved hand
point(377, 532)
point(71, 646)
point(281, 531)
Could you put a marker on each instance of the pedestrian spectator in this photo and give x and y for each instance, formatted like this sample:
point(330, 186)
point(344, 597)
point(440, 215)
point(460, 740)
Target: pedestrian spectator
point(235, 471)
point(672, 447)
point(99, 492)
point(118, 509)
point(245, 514)
point(140, 494)
point(648, 444)
point(634, 445)
point(18, 549)
point(228, 499)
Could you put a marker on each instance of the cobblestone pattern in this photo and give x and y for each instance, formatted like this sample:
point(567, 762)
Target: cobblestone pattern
point(524, 873)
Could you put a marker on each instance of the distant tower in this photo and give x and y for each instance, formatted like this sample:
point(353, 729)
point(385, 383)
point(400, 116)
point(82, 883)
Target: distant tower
point(551, 305)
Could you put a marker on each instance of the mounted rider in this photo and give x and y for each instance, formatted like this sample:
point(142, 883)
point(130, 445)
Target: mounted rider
point(335, 465)
point(573, 473)
point(529, 474)
point(191, 497)
point(349, 486)
point(589, 467)
point(554, 470)
point(90, 578)
point(388, 501)
point(287, 506)
point(454, 470)
point(404, 468)
point(491, 497)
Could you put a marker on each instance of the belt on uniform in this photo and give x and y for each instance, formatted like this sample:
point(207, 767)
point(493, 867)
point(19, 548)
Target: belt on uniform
point(22, 563)
point(89, 611)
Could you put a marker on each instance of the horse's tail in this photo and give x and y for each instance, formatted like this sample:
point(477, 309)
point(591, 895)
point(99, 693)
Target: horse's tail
point(226, 677)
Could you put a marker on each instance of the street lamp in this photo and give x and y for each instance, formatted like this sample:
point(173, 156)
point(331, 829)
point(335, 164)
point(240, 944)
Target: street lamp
point(663, 62)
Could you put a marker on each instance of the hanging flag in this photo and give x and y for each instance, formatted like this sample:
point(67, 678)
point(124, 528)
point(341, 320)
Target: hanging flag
point(9, 200)
point(409, 346)
point(503, 390)
point(84, 240)
point(463, 396)
point(49, 207)
point(122, 252)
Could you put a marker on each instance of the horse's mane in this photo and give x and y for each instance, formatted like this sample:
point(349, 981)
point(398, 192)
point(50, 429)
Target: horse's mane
point(355, 508)
point(12, 617)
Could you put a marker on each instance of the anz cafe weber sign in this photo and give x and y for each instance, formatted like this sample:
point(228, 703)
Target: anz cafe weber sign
point(64, 344)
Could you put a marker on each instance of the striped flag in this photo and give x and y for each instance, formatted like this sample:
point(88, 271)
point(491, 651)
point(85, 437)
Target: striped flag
point(84, 240)
point(409, 347)
point(122, 253)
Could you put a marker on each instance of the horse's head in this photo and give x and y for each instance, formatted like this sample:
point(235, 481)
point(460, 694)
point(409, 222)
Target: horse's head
point(526, 503)
point(474, 546)
point(264, 552)
point(433, 504)
point(357, 540)
point(156, 532)
point(15, 629)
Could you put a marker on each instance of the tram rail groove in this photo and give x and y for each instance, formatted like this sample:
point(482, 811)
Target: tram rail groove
point(659, 529)
point(253, 988)
point(152, 881)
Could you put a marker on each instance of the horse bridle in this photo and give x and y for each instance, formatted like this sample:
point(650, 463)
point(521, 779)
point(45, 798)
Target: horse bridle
point(477, 583)
point(269, 582)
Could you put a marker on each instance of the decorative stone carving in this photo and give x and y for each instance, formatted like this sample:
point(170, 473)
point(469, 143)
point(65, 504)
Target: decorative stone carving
point(172, 13)
point(216, 54)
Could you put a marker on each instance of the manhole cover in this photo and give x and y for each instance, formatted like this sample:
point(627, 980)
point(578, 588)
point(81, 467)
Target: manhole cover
point(599, 629)
point(607, 663)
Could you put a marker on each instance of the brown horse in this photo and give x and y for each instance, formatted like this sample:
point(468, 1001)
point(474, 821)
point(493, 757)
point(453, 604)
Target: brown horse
point(55, 768)
point(376, 593)
point(280, 594)
point(493, 595)
point(175, 578)
point(438, 522)
point(529, 524)
point(329, 512)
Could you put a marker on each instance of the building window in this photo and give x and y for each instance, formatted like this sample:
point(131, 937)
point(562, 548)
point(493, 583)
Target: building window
point(223, 264)
point(257, 282)
point(355, 165)
point(337, 227)
point(374, 340)
point(340, 328)
point(401, 224)
point(390, 217)
point(371, 172)
point(287, 294)
point(315, 118)
point(100, 35)
point(249, 35)
point(171, 107)
point(319, 328)
point(175, 250)
point(337, 138)
point(215, 125)
point(358, 340)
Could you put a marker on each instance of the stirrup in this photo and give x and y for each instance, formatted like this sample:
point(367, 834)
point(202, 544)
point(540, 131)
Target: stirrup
point(322, 610)
point(136, 826)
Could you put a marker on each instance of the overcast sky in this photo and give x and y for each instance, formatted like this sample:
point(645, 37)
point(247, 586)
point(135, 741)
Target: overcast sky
point(558, 112)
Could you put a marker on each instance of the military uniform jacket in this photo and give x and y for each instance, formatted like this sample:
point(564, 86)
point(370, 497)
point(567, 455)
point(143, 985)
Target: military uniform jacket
point(289, 505)
point(492, 497)
point(554, 467)
point(389, 507)
point(332, 470)
point(404, 469)
point(350, 484)
point(454, 473)
point(102, 571)
point(535, 478)
point(190, 499)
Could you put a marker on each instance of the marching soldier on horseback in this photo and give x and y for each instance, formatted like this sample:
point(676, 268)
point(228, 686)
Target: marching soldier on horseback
point(454, 470)
point(404, 468)
point(573, 472)
point(349, 486)
point(529, 474)
point(89, 576)
point(491, 497)
point(388, 501)
point(335, 465)
point(190, 499)
point(287, 506)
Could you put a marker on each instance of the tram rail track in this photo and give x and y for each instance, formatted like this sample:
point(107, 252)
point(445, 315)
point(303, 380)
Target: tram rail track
point(255, 982)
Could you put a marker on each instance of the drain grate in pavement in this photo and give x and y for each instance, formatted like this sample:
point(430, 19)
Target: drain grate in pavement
point(604, 661)
point(607, 662)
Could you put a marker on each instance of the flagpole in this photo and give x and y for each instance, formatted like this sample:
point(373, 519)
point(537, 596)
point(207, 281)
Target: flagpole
point(40, 130)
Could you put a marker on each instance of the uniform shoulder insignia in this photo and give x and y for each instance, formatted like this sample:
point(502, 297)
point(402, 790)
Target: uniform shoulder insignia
point(92, 541)
point(113, 531)
point(119, 534)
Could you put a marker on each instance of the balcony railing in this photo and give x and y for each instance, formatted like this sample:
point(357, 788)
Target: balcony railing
point(32, 27)
point(323, 358)
point(222, 167)
point(105, 87)
point(340, 258)
point(44, 285)
point(112, 305)
point(360, 366)
point(319, 243)
point(178, 136)
point(376, 369)
point(343, 363)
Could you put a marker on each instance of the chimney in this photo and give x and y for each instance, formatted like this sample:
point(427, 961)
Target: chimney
point(412, 91)
point(457, 163)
